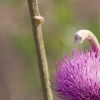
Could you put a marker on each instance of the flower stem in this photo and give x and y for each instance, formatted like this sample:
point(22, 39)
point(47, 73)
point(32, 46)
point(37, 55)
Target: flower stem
point(39, 43)
point(94, 42)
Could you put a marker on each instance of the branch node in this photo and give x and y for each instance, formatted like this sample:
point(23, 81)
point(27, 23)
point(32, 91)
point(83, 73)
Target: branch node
point(40, 19)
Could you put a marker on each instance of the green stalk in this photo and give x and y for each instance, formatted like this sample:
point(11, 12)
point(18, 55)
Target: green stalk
point(39, 43)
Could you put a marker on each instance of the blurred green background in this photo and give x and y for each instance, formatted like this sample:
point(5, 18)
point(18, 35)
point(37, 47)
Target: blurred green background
point(19, 75)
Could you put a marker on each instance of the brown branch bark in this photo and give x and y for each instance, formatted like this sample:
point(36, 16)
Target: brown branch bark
point(39, 43)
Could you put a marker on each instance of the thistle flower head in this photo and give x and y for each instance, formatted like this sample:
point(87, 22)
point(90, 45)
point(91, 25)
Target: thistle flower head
point(78, 77)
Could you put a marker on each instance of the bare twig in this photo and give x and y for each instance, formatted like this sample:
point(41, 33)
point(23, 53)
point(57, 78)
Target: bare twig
point(42, 61)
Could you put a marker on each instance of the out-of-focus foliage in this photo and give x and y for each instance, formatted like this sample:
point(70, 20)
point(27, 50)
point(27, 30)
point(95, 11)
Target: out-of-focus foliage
point(11, 2)
point(25, 45)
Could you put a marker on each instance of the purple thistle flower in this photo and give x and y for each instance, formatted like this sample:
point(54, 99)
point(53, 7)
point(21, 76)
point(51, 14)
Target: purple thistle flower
point(78, 77)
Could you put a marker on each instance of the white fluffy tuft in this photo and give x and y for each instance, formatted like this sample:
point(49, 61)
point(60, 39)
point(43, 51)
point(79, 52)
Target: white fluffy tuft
point(81, 35)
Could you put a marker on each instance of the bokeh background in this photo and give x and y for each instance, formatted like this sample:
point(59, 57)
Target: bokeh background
point(19, 75)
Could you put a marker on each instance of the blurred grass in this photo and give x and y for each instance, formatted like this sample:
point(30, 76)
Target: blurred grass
point(11, 2)
point(25, 45)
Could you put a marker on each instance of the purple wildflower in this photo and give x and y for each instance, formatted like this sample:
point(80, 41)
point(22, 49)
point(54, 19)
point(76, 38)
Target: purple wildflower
point(78, 77)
